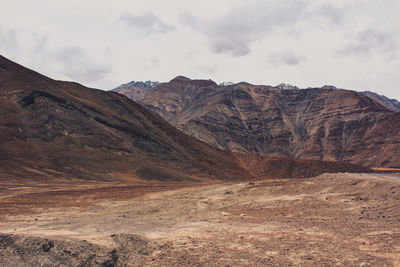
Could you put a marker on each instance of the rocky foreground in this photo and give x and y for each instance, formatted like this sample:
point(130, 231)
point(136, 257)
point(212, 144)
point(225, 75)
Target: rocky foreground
point(330, 220)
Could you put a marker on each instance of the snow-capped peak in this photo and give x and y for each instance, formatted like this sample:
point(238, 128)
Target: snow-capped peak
point(285, 86)
point(226, 84)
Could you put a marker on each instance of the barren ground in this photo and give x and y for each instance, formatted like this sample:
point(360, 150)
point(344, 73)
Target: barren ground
point(330, 220)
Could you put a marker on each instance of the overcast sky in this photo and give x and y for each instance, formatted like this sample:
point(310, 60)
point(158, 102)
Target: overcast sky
point(352, 44)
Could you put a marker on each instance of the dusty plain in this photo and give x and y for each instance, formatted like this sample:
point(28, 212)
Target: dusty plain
point(330, 220)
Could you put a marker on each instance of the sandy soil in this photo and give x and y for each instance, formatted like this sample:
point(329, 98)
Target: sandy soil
point(330, 220)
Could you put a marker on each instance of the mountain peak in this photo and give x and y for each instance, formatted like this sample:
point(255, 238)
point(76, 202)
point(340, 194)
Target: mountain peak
point(180, 79)
point(202, 83)
point(138, 83)
point(285, 86)
point(226, 84)
point(329, 87)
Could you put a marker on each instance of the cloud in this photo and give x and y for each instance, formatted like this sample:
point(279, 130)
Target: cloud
point(77, 66)
point(328, 12)
point(234, 32)
point(285, 59)
point(147, 22)
point(40, 43)
point(373, 40)
point(67, 61)
point(8, 41)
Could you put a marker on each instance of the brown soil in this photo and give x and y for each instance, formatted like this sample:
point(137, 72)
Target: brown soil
point(330, 220)
point(387, 170)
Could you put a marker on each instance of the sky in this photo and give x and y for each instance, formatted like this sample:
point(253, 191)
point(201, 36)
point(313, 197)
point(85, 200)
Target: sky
point(351, 44)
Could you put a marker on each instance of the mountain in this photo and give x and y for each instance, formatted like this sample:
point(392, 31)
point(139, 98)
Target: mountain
point(139, 90)
point(53, 129)
point(315, 123)
point(62, 129)
point(391, 104)
point(136, 90)
point(285, 86)
point(226, 84)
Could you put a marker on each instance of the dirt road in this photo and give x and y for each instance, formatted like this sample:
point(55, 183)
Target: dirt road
point(330, 220)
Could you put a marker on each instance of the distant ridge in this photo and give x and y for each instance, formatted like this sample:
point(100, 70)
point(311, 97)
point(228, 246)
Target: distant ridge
point(392, 104)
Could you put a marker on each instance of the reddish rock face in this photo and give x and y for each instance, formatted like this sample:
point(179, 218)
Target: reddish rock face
point(320, 123)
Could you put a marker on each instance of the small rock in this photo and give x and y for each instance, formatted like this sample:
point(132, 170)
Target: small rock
point(363, 264)
point(47, 246)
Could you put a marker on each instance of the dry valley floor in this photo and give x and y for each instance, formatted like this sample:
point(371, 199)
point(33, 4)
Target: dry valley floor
point(330, 220)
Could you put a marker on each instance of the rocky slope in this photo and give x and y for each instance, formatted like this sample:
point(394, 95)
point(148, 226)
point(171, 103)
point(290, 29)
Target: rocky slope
point(392, 104)
point(136, 90)
point(314, 123)
point(53, 129)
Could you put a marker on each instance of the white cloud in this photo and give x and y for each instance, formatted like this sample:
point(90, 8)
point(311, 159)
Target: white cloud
point(147, 22)
point(8, 41)
point(234, 32)
point(332, 14)
point(286, 58)
point(372, 41)
point(76, 65)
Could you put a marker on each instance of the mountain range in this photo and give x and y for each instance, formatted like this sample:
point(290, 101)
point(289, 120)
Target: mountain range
point(325, 123)
point(54, 129)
